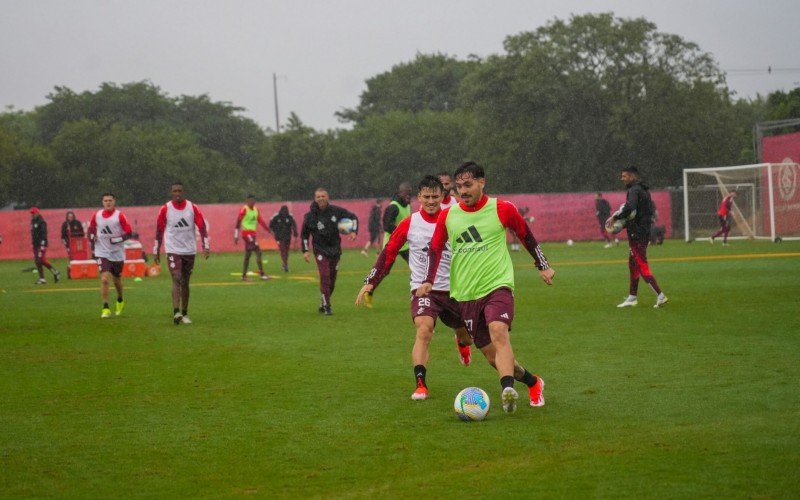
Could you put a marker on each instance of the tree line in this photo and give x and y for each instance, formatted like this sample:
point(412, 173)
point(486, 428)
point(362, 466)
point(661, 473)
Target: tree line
point(560, 109)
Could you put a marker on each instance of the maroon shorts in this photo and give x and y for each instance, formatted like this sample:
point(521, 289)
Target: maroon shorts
point(39, 253)
point(110, 266)
point(250, 242)
point(477, 314)
point(437, 305)
point(180, 265)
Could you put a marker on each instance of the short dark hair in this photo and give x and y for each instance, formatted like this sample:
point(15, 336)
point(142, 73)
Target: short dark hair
point(251, 196)
point(430, 182)
point(470, 167)
point(176, 183)
point(108, 194)
point(631, 170)
point(442, 174)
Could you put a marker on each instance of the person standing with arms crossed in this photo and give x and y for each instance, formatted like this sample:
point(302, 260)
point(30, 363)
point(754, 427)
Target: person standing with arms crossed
point(482, 275)
point(71, 228)
point(248, 220)
point(108, 228)
point(321, 225)
point(39, 240)
point(638, 199)
point(283, 228)
point(724, 217)
point(175, 227)
point(416, 230)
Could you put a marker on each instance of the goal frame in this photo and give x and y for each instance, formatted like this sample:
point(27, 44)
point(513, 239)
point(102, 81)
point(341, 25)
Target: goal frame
point(770, 196)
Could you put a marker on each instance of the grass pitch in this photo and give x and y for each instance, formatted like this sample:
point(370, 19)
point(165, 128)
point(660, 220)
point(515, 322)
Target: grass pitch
point(263, 396)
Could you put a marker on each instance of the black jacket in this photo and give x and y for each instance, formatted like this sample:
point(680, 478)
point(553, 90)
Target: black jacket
point(38, 232)
point(390, 214)
point(71, 229)
point(375, 219)
point(638, 199)
point(322, 227)
point(603, 209)
point(282, 225)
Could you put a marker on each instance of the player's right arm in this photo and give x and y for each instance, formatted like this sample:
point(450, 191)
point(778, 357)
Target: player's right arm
point(161, 225)
point(435, 249)
point(92, 232)
point(304, 235)
point(237, 226)
point(389, 254)
point(631, 204)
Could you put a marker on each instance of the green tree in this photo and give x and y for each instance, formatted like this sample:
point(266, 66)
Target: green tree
point(571, 102)
point(429, 82)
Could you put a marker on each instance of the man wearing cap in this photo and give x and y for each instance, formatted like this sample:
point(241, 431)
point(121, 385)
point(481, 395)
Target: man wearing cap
point(638, 201)
point(39, 239)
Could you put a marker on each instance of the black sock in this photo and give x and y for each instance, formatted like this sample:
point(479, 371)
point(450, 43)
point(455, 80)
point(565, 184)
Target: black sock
point(528, 378)
point(119, 299)
point(507, 381)
point(185, 312)
point(175, 310)
point(105, 305)
point(419, 374)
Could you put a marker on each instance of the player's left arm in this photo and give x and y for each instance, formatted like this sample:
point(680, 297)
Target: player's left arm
point(127, 230)
point(350, 215)
point(511, 219)
point(264, 224)
point(200, 222)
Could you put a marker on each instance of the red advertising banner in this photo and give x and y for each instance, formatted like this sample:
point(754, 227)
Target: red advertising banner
point(557, 217)
point(784, 150)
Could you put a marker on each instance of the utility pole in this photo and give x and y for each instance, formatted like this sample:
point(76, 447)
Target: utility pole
point(275, 94)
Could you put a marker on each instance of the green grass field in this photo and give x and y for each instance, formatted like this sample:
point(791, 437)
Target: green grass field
point(263, 396)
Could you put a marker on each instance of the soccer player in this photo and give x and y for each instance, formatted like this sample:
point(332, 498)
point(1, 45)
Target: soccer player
point(283, 227)
point(416, 230)
point(108, 228)
point(482, 275)
point(602, 210)
point(448, 200)
point(398, 209)
point(724, 217)
point(248, 220)
point(39, 240)
point(374, 227)
point(321, 225)
point(175, 227)
point(638, 198)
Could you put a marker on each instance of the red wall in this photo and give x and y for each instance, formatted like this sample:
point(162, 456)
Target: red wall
point(558, 217)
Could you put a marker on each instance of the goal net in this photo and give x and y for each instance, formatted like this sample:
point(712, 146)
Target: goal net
point(766, 206)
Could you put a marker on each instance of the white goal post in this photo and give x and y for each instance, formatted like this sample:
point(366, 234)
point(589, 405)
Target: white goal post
point(767, 203)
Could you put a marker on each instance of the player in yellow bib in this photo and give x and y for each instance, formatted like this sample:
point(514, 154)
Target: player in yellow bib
point(248, 220)
point(482, 275)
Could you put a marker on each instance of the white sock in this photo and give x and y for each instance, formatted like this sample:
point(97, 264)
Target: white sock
point(630, 298)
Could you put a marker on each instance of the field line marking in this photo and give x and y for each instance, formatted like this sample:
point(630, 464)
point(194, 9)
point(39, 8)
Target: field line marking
point(697, 258)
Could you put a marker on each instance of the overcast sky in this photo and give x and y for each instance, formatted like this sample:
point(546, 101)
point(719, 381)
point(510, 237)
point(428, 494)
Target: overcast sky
point(324, 51)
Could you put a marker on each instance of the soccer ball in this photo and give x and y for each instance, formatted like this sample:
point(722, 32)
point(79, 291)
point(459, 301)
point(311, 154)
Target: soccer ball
point(472, 404)
point(346, 226)
point(614, 226)
point(570, 243)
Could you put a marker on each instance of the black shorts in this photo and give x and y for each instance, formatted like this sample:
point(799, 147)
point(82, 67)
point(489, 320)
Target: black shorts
point(180, 265)
point(110, 266)
point(477, 314)
point(437, 304)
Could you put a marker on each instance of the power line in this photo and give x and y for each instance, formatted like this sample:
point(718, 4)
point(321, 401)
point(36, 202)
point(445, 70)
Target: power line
point(759, 71)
